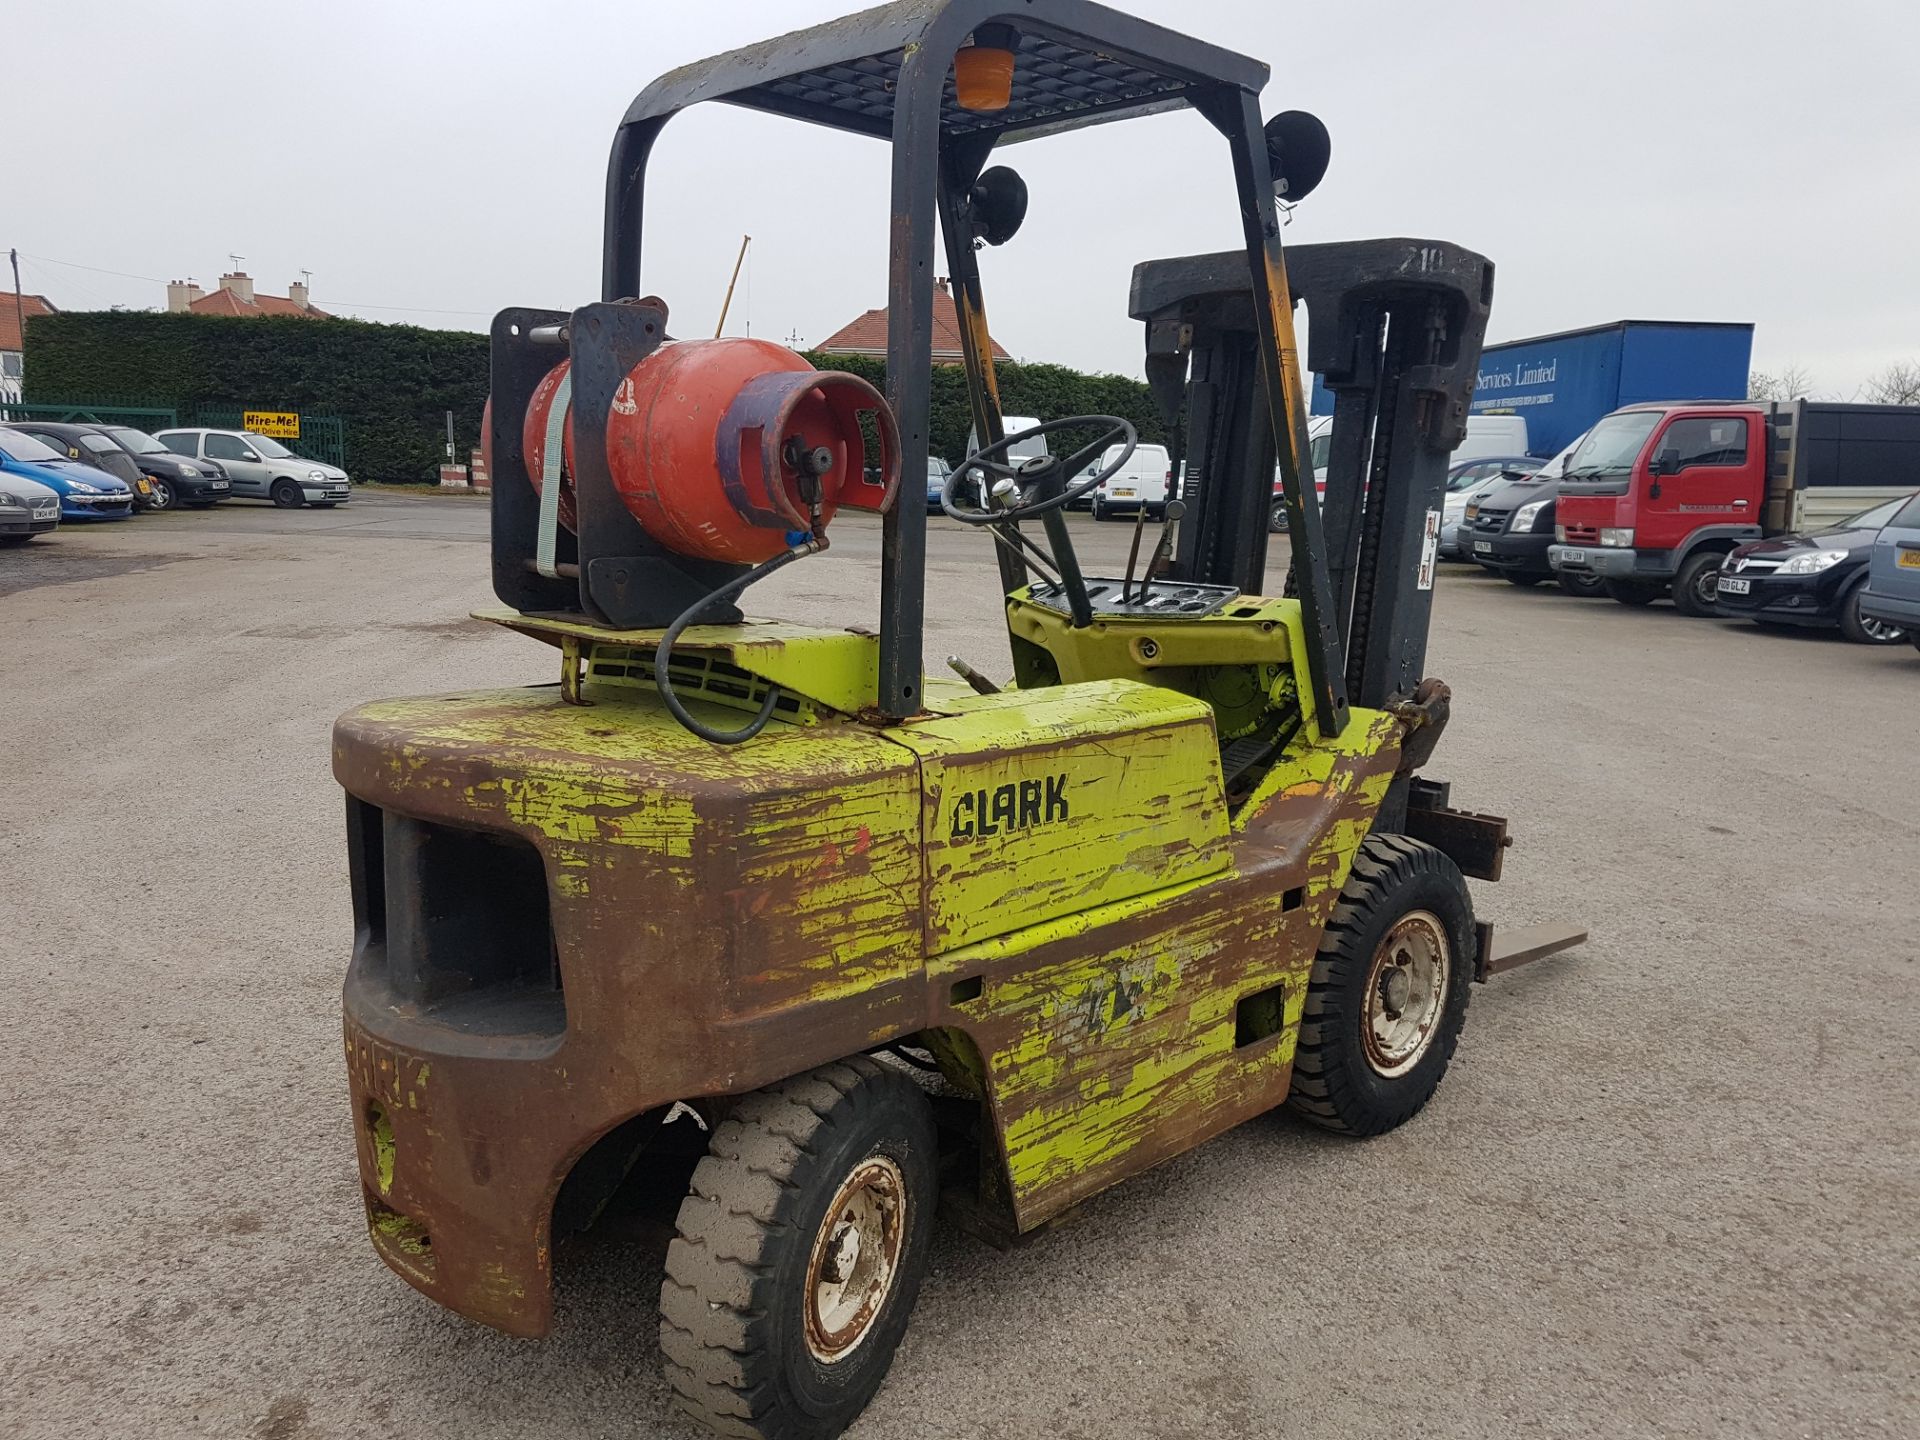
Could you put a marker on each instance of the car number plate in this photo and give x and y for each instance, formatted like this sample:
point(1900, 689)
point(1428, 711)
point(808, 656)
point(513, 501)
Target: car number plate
point(1729, 585)
point(1908, 560)
point(1483, 547)
point(1124, 494)
point(1573, 557)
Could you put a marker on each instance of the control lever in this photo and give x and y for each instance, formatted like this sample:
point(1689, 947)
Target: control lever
point(1161, 552)
point(981, 685)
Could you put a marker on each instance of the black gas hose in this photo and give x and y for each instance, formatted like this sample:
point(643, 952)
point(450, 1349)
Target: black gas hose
point(663, 654)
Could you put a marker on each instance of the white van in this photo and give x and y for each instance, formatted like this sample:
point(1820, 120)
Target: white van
point(1011, 426)
point(1488, 437)
point(1140, 484)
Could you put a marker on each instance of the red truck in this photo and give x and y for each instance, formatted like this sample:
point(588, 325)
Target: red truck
point(1658, 494)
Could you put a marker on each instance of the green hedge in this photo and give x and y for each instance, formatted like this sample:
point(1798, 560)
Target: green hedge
point(393, 384)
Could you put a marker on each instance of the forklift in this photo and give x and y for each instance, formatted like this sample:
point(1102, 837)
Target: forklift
point(879, 942)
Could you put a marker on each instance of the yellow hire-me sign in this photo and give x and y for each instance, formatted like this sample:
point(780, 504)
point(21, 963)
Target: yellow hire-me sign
point(280, 424)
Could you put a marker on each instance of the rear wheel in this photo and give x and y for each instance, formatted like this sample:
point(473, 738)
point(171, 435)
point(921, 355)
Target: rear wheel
point(1634, 592)
point(799, 1253)
point(1277, 516)
point(1388, 993)
point(1696, 589)
point(1099, 511)
point(1578, 582)
point(1863, 630)
point(287, 495)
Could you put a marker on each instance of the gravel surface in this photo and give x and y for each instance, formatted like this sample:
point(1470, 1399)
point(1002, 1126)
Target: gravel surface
point(1668, 1188)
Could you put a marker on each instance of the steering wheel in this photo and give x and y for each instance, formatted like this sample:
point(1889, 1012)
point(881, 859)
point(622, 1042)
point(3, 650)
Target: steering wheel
point(1023, 474)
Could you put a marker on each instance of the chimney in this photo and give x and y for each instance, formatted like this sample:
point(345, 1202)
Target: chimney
point(240, 284)
point(297, 293)
point(940, 283)
point(180, 296)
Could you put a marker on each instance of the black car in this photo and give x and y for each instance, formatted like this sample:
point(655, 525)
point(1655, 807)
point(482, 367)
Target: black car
point(1509, 529)
point(86, 444)
point(176, 479)
point(1812, 579)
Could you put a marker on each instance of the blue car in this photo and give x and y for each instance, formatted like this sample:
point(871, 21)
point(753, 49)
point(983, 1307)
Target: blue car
point(85, 493)
point(1892, 595)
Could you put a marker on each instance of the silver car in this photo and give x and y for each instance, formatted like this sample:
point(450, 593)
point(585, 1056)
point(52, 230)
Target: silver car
point(263, 468)
point(27, 509)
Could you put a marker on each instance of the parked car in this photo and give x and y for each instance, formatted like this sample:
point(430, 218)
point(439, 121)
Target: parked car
point(85, 493)
point(262, 468)
point(937, 472)
point(1510, 529)
point(1892, 596)
point(176, 480)
point(86, 444)
point(1466, 483)
point(1815, 579)
point(27, 508)
point(1141, 484)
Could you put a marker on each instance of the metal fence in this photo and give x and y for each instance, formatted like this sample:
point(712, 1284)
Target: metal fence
point(322, 437)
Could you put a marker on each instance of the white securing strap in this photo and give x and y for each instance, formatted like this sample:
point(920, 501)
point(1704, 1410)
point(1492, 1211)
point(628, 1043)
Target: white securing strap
point(551, 460)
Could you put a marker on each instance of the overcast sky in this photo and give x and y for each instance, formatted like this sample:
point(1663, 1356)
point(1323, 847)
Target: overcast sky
point(432, 163)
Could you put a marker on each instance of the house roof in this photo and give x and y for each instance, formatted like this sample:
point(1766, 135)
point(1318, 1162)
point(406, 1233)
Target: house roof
point(10, 315)
point(225, 302)
point(868, 334)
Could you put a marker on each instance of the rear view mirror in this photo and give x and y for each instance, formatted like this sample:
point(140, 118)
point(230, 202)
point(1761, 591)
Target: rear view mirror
point(248, 455)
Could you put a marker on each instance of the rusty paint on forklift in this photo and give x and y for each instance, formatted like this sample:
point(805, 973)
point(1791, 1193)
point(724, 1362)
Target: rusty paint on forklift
point(724, 917)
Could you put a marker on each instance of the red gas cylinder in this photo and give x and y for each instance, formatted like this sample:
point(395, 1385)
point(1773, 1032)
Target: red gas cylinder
point(533, 442)
point(703, 437)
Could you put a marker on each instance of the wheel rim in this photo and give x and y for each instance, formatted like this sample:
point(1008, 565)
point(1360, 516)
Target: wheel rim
point(1406, 993)
point(1277, 516)
point(162, 495)
point(1880, 632)
point(856, 1258)
point(1706, 589)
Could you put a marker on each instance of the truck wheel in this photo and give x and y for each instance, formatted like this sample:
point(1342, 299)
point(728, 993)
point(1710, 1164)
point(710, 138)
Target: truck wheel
point(1388, 993)
point(1861, 630)
point(1578, 582)
point(799, 1253)
point(1277, 517)
point(287, 495)
point(1696, 589)
point(1634, 592)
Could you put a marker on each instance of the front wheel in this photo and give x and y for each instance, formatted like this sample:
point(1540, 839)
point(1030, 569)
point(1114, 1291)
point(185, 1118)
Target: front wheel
point(799, 1253)
point(287, 495)
point(1578, 582)
point(1514, 577)
point(1696, 589)
point(1388, 993)
point(9, 541)
point(1277, 517)
point(1863, 630)
point(1634, 592)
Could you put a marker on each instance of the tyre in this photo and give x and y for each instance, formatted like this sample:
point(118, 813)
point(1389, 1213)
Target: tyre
point(1099, 511)
point(799, 1253)
point(164, 497)
point(1388, 993)
point(1277, 517)
point(1520, 578)
point(1634, 592)
point(1696, 589)
point(1863, 631)
point(9, 541)
point(287, 495)
point(1577, 582)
